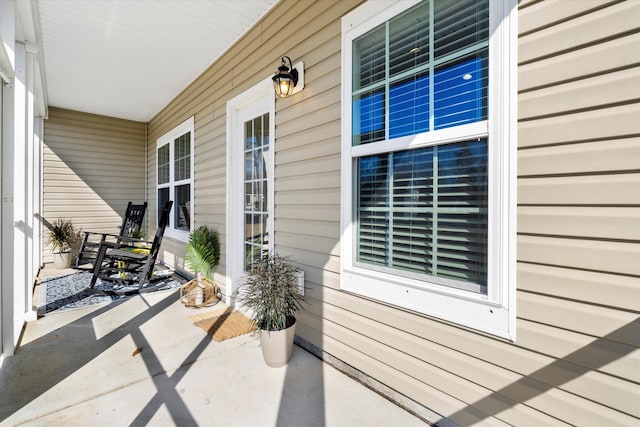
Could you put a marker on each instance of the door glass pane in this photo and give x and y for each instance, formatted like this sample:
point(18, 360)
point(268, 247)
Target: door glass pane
point(256, 215)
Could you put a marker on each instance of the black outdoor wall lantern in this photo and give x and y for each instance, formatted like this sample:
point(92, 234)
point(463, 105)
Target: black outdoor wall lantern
point(286, 79)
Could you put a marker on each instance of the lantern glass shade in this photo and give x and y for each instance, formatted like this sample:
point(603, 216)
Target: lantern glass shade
point(285, 81)
point(283, 86)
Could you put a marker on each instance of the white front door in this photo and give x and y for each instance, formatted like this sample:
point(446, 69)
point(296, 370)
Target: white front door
point(250, 165)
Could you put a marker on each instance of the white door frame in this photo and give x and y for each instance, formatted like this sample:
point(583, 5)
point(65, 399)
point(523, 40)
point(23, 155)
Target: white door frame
point(258, 100)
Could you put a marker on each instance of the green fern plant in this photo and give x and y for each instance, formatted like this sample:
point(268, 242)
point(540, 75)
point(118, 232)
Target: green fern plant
point(202, 253)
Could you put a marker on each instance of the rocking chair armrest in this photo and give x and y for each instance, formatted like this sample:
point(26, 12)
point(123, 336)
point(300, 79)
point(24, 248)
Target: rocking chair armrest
point(127, 240)
point(124, 242)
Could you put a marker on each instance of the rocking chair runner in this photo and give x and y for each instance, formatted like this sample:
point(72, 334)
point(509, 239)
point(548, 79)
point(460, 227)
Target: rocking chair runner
point(91, 241)
point(125, 263)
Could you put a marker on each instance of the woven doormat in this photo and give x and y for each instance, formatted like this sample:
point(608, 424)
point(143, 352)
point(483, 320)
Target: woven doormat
point(223, 324)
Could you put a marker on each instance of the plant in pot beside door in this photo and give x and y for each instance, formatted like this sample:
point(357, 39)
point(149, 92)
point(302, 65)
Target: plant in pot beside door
point(202, 255)
point(64, 240)
point(271, 294)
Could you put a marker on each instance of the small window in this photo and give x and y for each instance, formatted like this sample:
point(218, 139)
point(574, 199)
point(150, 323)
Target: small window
point(428, 140)
point(175, 178)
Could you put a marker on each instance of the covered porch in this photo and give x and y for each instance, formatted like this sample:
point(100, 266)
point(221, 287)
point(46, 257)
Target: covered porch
point(142, 362)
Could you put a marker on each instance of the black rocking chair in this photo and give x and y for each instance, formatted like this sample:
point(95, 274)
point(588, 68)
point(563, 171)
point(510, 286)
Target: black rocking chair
point(91, 241)
point(129, 262)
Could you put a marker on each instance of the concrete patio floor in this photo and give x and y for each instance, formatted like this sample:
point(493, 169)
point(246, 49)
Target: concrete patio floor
point(82, 367)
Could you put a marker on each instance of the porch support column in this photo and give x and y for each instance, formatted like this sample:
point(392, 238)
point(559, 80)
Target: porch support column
point(7, 40)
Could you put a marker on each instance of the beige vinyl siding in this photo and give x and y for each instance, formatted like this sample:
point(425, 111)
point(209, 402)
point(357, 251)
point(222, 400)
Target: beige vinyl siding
point(576, 357)
point(92, 167)
point(579, 198)
point(249, 61)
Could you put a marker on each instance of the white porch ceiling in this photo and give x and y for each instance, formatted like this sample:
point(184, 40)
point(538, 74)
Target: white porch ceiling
point(130, 58)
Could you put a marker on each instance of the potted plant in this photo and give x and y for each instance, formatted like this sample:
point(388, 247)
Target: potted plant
point(64, 239)
point(202, 255)
point(270, 292)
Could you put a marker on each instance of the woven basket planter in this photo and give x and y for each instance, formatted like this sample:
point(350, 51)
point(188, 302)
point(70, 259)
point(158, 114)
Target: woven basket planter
point(198, 293)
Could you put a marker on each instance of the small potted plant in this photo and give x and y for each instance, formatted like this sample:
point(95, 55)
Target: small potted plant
point(202, 255)
point(270, 293)
point(64, 239)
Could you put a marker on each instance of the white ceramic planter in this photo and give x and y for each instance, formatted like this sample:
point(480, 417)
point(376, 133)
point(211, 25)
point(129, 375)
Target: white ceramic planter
point(277, 346)
point(62, 260)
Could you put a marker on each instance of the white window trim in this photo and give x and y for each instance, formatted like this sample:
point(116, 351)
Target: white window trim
point(494, 313)
point(169, 138)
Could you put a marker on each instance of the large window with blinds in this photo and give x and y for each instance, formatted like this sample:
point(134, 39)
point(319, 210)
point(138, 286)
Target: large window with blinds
point(422, 166)
point(174, 166)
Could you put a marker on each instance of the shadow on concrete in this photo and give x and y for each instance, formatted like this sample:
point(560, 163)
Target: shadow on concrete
point(23, 379)
point(166, 386)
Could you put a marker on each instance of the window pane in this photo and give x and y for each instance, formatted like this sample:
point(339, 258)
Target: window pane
point(252, 228)
point(459, 24)
point(373, 210)
point(258, 131)
point(251, 253)
point(373, 186)
point(163, 197)
point(412, 221)
point(249, 165)
point(163, 164)
point(368, 117)
point(425, 211)
point(413, 237)
point(369, 59)
point(409, 106)
point(409, 40)
point(182, 213)
point(249, 137)
point(265, 132)
point(413, 179)
point(460, 92)
point(462, 220)
point(182, 157)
